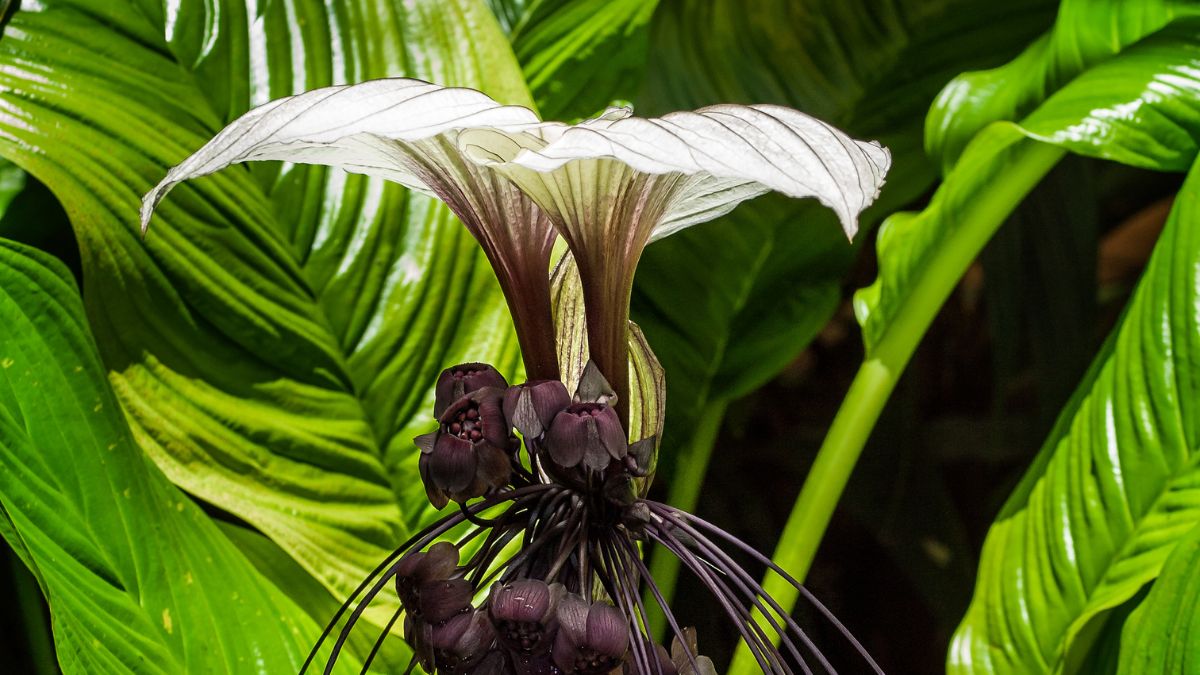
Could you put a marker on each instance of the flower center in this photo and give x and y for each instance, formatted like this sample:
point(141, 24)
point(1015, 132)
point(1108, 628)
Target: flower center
point(586, 409)
point(467, 424)
point(464, 372)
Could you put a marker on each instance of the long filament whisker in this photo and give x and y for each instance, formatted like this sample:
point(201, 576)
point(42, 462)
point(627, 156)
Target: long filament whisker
point(621, 584)
point(662, 603)
point(804, 592)
point(749, 630)
point(753, 591)
point(414, 543)
point(387, 630)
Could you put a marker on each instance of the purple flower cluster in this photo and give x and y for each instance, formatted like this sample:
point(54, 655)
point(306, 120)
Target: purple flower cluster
point(474, 452)
point(545, 572)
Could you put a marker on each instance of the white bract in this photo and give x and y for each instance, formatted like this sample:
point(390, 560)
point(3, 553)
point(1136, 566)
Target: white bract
point(402, 129)
point(608, 185)
point(707, 162)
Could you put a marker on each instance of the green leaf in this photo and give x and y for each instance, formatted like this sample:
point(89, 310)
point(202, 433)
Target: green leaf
point(1113, 488)
point(275, 338)
point(508, 12)
point(706, 305)
point(1163, 633)
point(922, 255)
point(579, 55)
point(273, 563)
point(12, 182)
point(137, 576)
point(1139, 108)
point(1086, 33)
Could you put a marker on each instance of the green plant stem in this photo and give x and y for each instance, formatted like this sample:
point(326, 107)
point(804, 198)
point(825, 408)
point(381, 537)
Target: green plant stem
point(685, 494)
point(877, 377)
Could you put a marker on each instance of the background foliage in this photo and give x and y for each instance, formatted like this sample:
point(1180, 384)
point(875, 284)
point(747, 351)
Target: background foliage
point(205, 434)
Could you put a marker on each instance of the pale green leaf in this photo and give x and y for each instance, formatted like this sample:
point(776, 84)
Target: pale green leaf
point(1113, 488)
point(275, 339)
point(1085, 34)
point(1163, 634)
point(137, 577)
point(1145, 106)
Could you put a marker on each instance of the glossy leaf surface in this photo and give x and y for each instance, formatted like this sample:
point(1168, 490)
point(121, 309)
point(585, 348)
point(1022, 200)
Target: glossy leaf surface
point(275, 339)
point(1085, 34)
point(1143, 109)
point(138, 578)
point(1163, 634)
point(1113, 488)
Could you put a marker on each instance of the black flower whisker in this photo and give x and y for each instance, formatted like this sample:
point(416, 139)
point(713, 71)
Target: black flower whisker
point(770, 564)
point(750, 590)
point(386, 570)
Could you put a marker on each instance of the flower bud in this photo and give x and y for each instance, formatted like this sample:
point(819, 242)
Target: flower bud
point(468, 456)
point(592, 639)
point(462, 643)
point(589, 433)
point(429, 587)
point(523, 614)
point(465, 378)
point(640, 461)
point(532, 406)
point(418, 634)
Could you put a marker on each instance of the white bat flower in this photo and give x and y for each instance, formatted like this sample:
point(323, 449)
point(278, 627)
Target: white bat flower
point(608, 185)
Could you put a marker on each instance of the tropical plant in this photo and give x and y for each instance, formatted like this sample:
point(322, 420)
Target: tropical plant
point(206, 433)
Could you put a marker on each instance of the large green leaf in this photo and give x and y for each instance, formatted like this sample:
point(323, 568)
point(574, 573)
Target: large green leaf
point(274, 339)
point(1140, 107)
point(1163, 634)
point(1114, 486)
point(137, 577)
point(1086, 33)
point(579, 55)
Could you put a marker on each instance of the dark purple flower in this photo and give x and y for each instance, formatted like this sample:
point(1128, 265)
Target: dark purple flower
point(429, 585)
point(592, 638)
point(587, 433)
point(495, 663)
point(532, 406)
point(456, 382)
point(467, 456)
point(524, 615)
point(462, 643)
